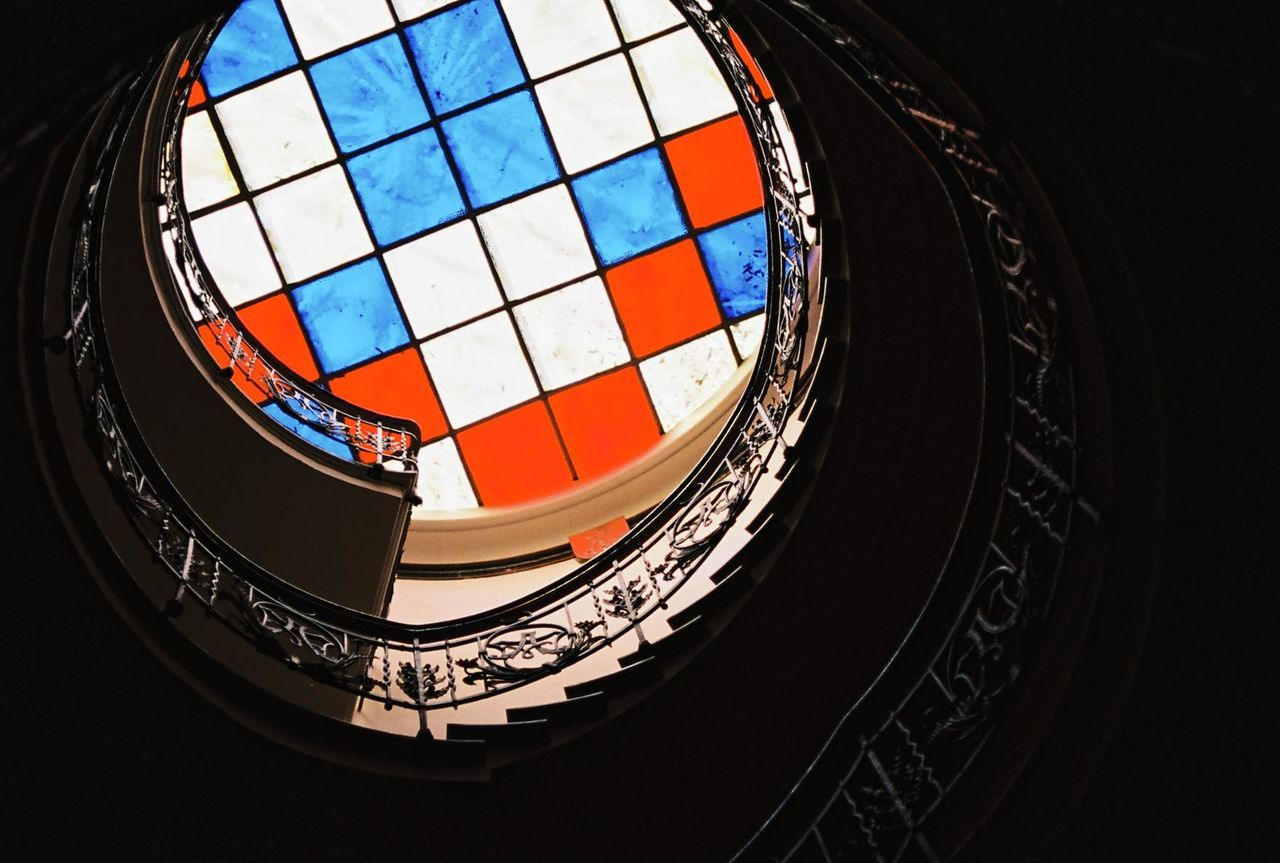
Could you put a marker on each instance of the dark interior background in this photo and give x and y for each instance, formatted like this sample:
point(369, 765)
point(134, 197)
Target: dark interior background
point(1171, 111)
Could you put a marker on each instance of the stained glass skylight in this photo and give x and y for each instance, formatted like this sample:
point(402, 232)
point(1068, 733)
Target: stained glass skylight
point(533, 226)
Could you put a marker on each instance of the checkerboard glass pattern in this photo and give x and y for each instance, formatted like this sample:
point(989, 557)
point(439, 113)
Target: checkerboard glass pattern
point(534, 227)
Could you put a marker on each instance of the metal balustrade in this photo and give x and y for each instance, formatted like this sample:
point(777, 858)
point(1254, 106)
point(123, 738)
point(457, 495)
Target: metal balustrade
point(878, 780)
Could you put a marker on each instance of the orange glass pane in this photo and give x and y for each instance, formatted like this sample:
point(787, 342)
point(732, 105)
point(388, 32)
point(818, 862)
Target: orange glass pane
point(197, 96)
point(396, 385)
point(766, 92)
point(590, 543)
point(605, 422)
point(716, 171)
point(663, 298)
point(273, 323)
point(515, 457)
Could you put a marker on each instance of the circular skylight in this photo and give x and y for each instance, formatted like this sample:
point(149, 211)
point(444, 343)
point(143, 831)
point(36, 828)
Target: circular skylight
point(534, 227)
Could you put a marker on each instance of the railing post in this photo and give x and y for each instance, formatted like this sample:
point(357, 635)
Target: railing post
point(423, 730)
point(174, 606)
point(631, 609)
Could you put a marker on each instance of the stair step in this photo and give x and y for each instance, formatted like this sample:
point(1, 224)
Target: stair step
point(634, 676)
point(732, 587)
point(531, 732)
point(583, 709)
point(451, 753)
point(766, 529)
point(691, 632)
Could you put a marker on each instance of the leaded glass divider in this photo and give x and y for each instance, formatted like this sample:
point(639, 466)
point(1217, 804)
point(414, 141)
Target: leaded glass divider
point(341, 162)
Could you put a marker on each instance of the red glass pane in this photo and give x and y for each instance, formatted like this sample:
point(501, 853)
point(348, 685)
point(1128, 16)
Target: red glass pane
point(590, 543)
point(766, 92)
point(716, 171)
point(197, 96)
point(515, 457)
point(663, 298)
point(605, 422)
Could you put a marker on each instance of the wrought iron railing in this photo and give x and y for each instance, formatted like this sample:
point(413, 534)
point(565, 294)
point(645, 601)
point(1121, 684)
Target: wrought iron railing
point(430, 666)
point(876, 803)
point(375, 438)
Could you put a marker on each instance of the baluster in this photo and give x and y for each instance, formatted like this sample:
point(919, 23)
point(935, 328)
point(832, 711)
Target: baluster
point(595, 599)
point(631, 609)
point(423, 730)
point(728, 466)
point(213, 581)
point(653, 582)
point(174, 606)
point(764, 418)
point(160, 538)
point(448, 664)
point(386, 675)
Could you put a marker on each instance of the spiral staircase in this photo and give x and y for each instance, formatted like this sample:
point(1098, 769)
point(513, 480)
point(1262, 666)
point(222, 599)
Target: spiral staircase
point(859, 612)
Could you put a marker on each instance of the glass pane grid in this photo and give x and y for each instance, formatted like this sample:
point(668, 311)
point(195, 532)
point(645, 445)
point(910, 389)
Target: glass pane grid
point(477, 155)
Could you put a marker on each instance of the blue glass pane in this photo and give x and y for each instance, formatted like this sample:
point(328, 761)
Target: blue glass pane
point(406, 186)
point(251, 45)
point(464, 55)
point(306, 432)
point(350, 316)
point(738, 258)
point(629, 206)
point(368, 93)
point(501, 149)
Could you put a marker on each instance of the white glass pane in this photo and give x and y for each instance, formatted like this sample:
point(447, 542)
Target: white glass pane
point(479, 370)
point(322, 26)
point(793, 166)
point(681, 82)
point(536, 242)
point(682, 379)
point(206, 177)
point(746, 335)
point(594, 113)
point(640, 18)
point(553, 34)
point(313, 224)
point(275, 130)
point(407, 9)
point(235, 254)
point(442, 481)
point(443, 278)
point(571, 333)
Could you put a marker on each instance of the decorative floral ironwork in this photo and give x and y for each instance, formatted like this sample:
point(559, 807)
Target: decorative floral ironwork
point(528, 650)
point(322, 644)
point(408, 677)
point(623, 604)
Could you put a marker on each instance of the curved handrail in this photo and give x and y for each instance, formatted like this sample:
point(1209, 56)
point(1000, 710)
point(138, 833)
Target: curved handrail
point(379, 438)
point(448, 664)
point(887, 774)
